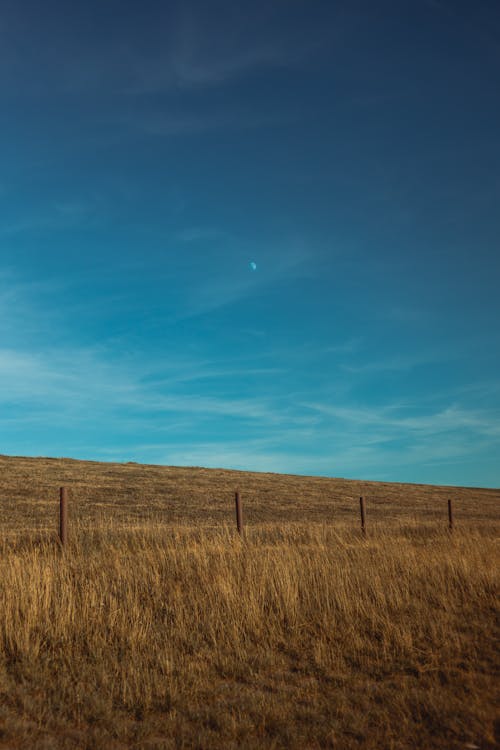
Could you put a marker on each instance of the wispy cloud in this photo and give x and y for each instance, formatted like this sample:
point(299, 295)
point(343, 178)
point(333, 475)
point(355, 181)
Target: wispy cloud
point(184, 46)
point(205, 49)
point(231, 279)
point(103, 380)
point(25, 314)
point(201, 58)
point(86, 387)
point(52, 215)
point(164, 125)
point(197, 234)
point(400, 362)
point(178, 409)
point(400, 423)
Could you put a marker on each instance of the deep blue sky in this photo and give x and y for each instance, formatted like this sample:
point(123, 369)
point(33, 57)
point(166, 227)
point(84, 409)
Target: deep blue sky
point(151, 152)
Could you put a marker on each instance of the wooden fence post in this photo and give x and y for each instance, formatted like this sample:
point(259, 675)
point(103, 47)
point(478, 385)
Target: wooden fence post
point(63, 516)
point(362, 510)
point(239, 513)
point(450, 516)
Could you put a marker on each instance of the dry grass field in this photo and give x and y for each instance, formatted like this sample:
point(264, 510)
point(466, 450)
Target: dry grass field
point(158, 627)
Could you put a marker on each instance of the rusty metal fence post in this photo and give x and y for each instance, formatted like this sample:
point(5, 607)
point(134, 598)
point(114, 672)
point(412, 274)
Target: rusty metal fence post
point(362, 510)
point(239, 513)
point(63, 516)
point(450, 516)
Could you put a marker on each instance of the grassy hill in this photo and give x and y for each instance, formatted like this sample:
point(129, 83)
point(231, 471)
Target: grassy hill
point(158, 627)
point(200, 497)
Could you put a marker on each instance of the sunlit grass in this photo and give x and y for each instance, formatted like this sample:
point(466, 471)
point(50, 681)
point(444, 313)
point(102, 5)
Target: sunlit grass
point(296, 637)
point(159, 627)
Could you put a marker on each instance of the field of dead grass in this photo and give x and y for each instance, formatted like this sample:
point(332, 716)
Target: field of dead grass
point(157, 627)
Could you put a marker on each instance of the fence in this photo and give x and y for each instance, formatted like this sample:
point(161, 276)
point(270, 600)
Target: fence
point(63, 515)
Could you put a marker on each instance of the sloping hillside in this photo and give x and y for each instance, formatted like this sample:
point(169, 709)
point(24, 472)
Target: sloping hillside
point(157, 628)
point(197, 496)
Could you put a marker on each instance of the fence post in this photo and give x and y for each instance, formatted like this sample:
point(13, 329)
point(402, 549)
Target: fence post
point(362, 509)
point(63, 515)
point(239, 513)
point(450, 516)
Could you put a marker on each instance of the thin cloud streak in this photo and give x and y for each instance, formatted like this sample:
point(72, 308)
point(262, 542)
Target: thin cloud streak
point(185, 47)
point(92, 390)
point(398, 363)
point(450, 418)
point(213, 292)
point(162, 400)
point(84, 383)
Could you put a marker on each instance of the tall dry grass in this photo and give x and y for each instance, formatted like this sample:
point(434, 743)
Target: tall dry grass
point(303, 636)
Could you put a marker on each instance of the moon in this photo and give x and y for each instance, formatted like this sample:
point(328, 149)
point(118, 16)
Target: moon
point(253, 265)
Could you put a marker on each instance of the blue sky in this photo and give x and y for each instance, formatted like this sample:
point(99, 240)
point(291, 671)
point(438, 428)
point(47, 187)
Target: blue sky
point(151, 152)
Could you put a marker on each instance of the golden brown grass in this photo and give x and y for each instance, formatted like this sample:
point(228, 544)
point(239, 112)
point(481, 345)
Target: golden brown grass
point(150, 634)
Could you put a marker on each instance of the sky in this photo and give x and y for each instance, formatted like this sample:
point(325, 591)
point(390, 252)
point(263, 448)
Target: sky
point(253, 235)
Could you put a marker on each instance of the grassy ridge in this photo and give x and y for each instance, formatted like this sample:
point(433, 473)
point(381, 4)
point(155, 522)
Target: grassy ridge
point(151, 634)
point(205, 497)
